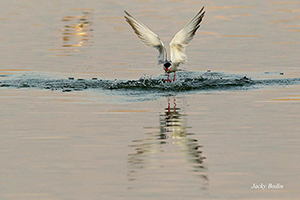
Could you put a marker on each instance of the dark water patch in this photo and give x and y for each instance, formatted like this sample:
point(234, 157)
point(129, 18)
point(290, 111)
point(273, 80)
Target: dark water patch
point(5, 75)
point(185, 82)
point(272, 82)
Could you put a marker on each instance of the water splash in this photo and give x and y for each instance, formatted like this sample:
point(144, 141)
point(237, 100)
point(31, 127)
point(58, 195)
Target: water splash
point(186, 82)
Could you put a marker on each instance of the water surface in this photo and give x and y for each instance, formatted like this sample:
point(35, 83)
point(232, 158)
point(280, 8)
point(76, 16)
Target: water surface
point(87, 114)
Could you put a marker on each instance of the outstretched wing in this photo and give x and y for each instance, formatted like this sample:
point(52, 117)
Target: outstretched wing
point(183, 37)
point(147, 37)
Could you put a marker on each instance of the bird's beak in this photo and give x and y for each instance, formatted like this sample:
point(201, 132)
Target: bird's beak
point(167, 69)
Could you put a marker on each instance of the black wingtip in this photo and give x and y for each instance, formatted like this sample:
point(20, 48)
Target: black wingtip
point(201, 9)
point(127, 13)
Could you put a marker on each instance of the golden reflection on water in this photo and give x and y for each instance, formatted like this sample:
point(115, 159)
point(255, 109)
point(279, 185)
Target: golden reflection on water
point(280, 21)
point(172, 132)
point(288, 21)
point(295, 98)
point(288, 10)
point(76, 33)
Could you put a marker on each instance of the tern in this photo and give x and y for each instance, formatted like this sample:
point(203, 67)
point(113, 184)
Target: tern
point(177, 45)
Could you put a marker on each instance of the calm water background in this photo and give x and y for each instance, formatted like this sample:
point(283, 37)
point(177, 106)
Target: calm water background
point(94, 144)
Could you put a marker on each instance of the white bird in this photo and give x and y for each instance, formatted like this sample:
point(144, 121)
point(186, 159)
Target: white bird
point(177, 45)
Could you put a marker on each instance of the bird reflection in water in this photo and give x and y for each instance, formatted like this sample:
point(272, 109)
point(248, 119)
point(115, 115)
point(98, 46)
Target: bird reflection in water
point(77, 32)
point(170, 142)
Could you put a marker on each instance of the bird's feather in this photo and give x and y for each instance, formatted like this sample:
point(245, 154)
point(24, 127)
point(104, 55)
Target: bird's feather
point(183, 37)
point(147, 37)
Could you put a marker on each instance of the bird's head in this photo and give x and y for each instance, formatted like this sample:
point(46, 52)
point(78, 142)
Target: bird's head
point(167, 65)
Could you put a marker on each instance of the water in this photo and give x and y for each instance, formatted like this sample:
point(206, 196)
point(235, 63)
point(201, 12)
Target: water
point(87, 114)
point(185, 83)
